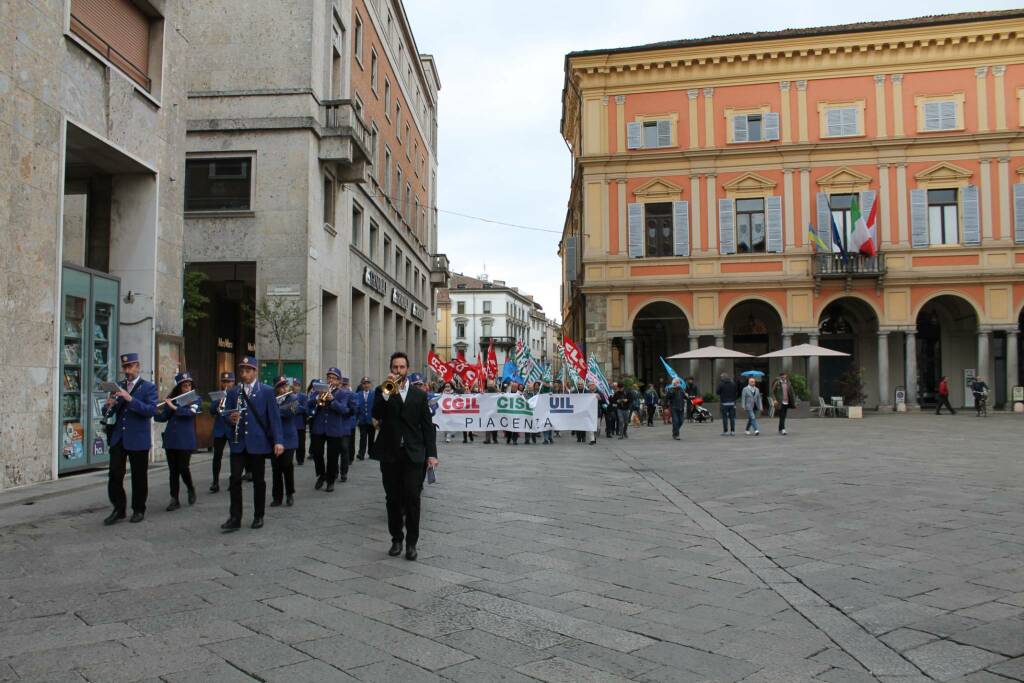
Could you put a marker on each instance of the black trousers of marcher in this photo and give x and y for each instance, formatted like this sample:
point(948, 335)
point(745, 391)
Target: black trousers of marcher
point(282, 470)
point(178, 469)
point(366, 435)
point(219, 443)
point(350, 447)
point(651, 410)
point(317, 443)
point(944, 401)
point(403, 483)
point(610, 422)
point(255, 463)
point(782, 409)
point(119, 459)
point(678, 418)
point(300, 452)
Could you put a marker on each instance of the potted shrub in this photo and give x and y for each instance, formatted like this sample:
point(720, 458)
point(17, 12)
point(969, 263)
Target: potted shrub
point(851, 386)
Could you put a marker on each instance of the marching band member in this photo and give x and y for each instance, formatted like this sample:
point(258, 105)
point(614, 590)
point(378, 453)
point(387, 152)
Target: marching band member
point(221, 428)
point(282, 468)
point(300, 421)
point(405, 446)
point(330, 412)
point(364, 416)
point(257, 433)
point(350, 439)
point(130, 439)
point(179, 438)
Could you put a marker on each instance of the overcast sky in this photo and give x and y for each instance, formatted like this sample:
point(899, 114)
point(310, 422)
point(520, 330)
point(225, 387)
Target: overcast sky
point(501, 155)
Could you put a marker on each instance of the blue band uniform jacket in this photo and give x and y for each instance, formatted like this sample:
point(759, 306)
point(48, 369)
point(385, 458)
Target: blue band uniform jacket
point(251, 436)
point(222, 429)
point(180, 432)
point(364, 407)
point(292, 420)
point(133, 428)
point(406, 428)
point(337, 418)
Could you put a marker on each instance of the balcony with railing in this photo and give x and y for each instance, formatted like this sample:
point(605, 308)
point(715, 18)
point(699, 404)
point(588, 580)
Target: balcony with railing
point(439, 271)
point(345, 140)
point(499, 342)
point(849, 268)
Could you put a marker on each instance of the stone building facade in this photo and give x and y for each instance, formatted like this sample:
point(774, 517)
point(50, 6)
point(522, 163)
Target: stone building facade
point(92, 101)
point(700, 164)
point(292, 149)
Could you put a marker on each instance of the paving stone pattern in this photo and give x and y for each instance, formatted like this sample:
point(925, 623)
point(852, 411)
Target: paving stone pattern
point(889, 549)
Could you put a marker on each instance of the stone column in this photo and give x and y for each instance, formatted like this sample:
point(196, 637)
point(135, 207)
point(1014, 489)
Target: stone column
point(627, 356)
point(911, 368)
point(787, 341)
point(694, 364)
point(883, 370)
point(1011, 365)
point(813, 375)
point(718, 363)
point(984, 342)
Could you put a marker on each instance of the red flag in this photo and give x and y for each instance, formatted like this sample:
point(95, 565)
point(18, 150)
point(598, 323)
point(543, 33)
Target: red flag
point(492, 361)
point(440, 368)
point(481, 372)
point(574, 356)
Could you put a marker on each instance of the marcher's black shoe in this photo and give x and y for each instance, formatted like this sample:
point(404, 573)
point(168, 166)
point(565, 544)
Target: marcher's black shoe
point(275, 503)
point(343, 478)
point(330, 487)
point(257, 523)
point(174, 505)
point(232, 524)
point(396, 549)
point(214, 487)
point(137, 517)
point(410, 553)
point(114, 517)
point(192, 496)
point(289, 500)
point(319, 483)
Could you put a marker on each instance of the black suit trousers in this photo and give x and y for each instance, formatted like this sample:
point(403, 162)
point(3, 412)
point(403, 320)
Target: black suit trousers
point(119, 459)
point(256, 464)
point(366, 433)
point(403, 484)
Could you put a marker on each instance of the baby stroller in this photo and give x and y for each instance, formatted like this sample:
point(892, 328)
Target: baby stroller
point(698, 413)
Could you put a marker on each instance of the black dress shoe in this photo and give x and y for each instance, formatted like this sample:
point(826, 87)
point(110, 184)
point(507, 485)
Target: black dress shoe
point(275, 503)
point(319, 483)
point(330, 487)
point(257, 523)
point(137, 517)
point(114, 517)
point(290, 500)
point(174, 505)
point(396, 549)
point(214, 487)
point(343, 478)
point(232, 524)
point(191, 496)
point(410, 553)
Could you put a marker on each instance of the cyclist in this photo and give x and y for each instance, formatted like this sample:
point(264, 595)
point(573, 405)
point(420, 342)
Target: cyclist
point(980, 390)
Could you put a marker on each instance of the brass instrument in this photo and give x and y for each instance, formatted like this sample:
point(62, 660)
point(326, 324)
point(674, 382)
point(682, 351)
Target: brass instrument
point(388, 387)
point(325, 398)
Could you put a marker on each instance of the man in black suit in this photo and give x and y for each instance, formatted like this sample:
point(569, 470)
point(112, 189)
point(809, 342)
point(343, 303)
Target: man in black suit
point(406, 447)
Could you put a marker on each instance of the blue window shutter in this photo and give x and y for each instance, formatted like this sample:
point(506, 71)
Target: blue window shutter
point(1018, 213)
point(972, 219)
point(919, 218)
point(681, 228)
point(665, 133)
point(634, 135)
point(726, 227)
point(824, 213)
point(636, 230)
point(771, 125)
point(739, 129)
point(773, 223)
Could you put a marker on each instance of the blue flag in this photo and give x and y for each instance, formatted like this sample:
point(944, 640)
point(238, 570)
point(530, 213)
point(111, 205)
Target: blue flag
point(671, 372)
point(838, 239)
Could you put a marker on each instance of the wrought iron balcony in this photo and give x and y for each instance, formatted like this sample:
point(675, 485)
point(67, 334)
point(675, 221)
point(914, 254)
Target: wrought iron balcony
point(439, 272)
point(500, 342)
point(345, 140)
point(855, 266)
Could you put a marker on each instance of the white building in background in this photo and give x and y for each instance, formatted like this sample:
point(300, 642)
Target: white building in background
point(483, 310)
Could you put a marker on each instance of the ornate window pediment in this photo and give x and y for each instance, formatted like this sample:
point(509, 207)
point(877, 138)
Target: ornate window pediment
point(749, 185)
point(658, 190)
point(943, 174)
point(844, 180)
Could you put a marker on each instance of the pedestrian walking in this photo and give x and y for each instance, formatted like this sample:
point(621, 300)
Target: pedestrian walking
point(676, 398)
point(179, 438)
point(727, 394)
point(944, 396)
point(651, 403)
point(751, 398)
point(622, 401)
point(784, 399)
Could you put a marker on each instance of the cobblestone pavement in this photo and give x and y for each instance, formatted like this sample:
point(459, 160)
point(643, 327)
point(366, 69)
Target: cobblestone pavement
point(885, 549)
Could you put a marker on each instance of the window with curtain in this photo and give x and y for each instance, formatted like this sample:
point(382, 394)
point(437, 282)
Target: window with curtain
point(750, 226)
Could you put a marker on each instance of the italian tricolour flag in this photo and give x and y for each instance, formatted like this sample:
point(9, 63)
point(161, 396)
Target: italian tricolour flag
point(864, 238)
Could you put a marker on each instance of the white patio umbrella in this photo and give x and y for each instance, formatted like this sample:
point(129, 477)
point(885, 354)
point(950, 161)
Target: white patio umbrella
point(803, 351)
point(710, 352)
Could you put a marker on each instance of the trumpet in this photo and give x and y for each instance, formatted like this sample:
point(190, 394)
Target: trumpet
point(388, 387)
point(325, 398)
